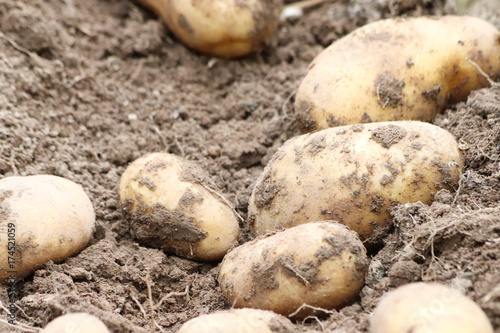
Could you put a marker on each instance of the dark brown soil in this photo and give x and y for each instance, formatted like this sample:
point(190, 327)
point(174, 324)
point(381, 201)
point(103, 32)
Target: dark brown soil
point(89, 86)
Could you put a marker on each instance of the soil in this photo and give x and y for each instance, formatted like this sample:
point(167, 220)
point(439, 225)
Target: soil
point(388, 135)
point(389, 91)
point(89, 86)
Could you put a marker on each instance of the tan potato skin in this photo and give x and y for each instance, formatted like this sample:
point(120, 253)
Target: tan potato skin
point(397, 69)
point(353, 174)
point(321, 264)
point(76, 323)
point(238, 320)
point(428, 308)
point(168, 210)
point(223, 28)
point(53, 217)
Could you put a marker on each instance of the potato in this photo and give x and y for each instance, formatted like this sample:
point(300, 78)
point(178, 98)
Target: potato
point(172, 205)
point(321, 265)
point(238, 320)
point(397, 69)
point(428, 308)
point(223, 28)
point(354, 174)
point(42, 218)
point(76, 323)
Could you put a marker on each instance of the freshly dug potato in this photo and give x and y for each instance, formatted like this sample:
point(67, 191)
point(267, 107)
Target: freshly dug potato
point(223, 28)
point(353, 174)
point(76, 323)
point(238, 320)
point(397, 69)
point(321, 264)
point(428, 308)
point(42, 218)
point(172, 205)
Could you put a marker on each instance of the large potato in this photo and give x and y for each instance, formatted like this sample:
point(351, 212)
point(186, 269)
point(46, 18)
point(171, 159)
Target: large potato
point(42, 218)
point(428, 308)
point(172, 205)
point(319, 264)
point(353, 174)
point(397, 69)
point(224, 28)
point(238, 320)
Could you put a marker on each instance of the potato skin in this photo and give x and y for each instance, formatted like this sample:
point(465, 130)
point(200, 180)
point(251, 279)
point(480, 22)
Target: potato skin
point(428, 308)
point(238, 320)
point(353, 174)
point(223, 28)
point(53, 219)
point(397, 69)
point(321, 264)
point(172, 205)
point(76, 323)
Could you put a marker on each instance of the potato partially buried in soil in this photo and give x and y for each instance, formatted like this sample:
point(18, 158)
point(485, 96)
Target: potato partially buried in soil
point(354, 174)
point(239, 320)
point(42, 218)
point(314, 265)
point(76, 323)
point(223, 28)
point(171, 204)
point(397, 69)
point(428, 308)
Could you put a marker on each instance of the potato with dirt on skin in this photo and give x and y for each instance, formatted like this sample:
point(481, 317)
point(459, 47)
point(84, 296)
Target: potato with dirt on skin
point(171, 204)
point(397, 69)
point(354, 174)
point(42, 218)
point(238, 320)
point(428, 308)
point(76, 323)
point(223, 28)
point(296, 271)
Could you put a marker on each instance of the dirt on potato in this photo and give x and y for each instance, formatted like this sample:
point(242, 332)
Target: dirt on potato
point(389, 91)
point(388, 135)
point(89, 86)
point(162, 228)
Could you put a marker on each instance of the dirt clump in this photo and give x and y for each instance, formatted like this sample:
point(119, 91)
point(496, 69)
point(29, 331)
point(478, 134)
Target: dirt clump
point(389, 91)
point(388, 135)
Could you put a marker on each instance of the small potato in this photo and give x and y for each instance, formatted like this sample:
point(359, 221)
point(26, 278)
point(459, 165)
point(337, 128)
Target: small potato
point(428, 308)
point(223, 28)
point(353, 175)
point(238, 320)
point(293, 272)
point(172, 205)
point(42, 218)
point(397, 69)
point(76, 323)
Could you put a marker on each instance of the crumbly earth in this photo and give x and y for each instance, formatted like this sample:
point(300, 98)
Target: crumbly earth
point(89, 86)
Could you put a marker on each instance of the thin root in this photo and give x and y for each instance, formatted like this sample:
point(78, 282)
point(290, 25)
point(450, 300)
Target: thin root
point(290, 267)
point(307, 306)
point(304, 4)
point(172, 294)
point(491, 82)
point(149, 284)
point(140, 306)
